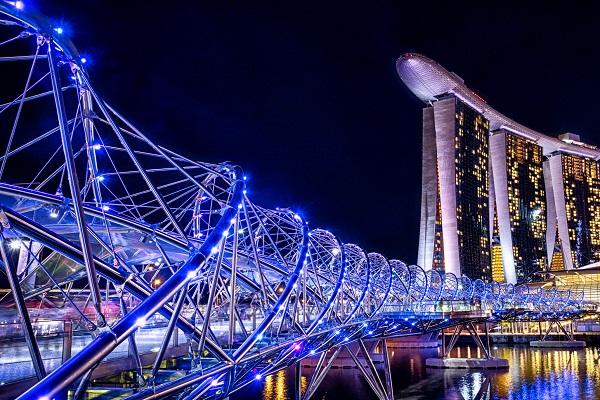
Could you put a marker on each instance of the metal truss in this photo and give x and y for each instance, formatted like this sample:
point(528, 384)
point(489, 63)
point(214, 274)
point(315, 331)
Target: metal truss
point(361, 355)
point(117, 235)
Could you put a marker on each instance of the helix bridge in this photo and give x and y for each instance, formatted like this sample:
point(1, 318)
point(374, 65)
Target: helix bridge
point(104, 227)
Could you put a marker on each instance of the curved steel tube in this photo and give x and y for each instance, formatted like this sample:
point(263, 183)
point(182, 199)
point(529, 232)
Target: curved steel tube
point(312, 293)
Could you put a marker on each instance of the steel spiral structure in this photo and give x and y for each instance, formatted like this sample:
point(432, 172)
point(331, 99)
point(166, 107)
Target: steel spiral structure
point(117, 233)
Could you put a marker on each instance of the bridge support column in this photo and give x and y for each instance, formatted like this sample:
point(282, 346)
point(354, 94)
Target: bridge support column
point(565, 344)
point(361, 356)
point(387, 368)
point(486, 362)
point(67, 340)
point(298, 381)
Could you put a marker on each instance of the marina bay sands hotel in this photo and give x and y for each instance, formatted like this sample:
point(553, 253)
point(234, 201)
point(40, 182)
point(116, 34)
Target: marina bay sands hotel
point(499, 200)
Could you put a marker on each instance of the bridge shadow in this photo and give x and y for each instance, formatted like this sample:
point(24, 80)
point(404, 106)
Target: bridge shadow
point(414, 381)
point(454, 384)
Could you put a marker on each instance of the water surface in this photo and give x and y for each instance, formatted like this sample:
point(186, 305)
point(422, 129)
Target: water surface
point(534, 374)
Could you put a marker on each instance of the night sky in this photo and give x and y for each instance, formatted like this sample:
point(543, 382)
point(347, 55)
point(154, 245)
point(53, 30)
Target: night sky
point(305, 96)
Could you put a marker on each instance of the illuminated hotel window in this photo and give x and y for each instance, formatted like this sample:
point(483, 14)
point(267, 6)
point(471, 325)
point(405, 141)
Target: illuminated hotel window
point(438, 249)
point(471, 177)
point(582, 203)
point(526, 205)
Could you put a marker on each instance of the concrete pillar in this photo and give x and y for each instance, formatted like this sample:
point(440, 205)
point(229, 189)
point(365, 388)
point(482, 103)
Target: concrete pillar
point(429, 187)
point(498, 160)
point(444, 120)
point(67, 340)
point(555, 165)
point(550, 213)
point(175, 337)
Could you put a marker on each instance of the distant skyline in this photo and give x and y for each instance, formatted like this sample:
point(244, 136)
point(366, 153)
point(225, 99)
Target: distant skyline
point(306, 98)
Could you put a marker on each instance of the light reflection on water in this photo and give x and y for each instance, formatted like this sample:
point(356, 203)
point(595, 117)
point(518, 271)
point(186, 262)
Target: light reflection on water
point(534, 374)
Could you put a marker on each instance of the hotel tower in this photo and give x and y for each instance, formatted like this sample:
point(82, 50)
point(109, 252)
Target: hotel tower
point(499, 200)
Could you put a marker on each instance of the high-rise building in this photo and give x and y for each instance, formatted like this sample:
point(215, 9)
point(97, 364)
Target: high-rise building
point(454, 220)
point(498, 199)
point(576, 184)
point(520, 199)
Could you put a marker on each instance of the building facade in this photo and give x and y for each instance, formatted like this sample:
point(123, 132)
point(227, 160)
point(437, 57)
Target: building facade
point(576, 185)
point(499, 200)
point(520, 204)
point(454, 213)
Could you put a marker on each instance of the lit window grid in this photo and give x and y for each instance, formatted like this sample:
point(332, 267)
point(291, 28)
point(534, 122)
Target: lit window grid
point(471, 144)
point(527, 204)
point(582, 203)
point(438, 245)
